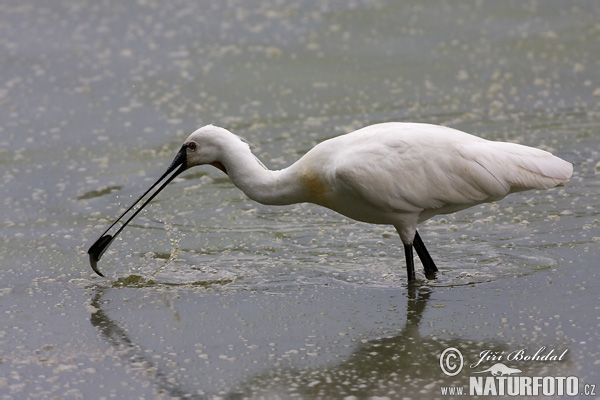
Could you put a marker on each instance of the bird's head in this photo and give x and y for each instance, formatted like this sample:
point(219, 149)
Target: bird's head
point(205, 146)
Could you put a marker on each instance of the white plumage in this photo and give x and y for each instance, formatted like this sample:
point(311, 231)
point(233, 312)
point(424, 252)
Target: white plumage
point(391, 173)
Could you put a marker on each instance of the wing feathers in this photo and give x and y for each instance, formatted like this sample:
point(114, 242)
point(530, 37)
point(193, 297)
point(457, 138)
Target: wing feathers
point(518, 167)
point(443, 173)
point(390, 172)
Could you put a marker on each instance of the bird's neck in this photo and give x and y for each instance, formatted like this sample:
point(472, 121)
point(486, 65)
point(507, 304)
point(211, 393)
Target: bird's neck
point(258, 182)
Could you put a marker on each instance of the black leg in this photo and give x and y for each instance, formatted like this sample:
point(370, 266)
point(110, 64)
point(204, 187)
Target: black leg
point(410, 265)
point(428, 264)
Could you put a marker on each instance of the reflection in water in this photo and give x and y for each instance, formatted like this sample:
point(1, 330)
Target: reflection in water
point(132, 352)
point(395, 359)
point(397, 365)
point(405, 363)
point(402, 365)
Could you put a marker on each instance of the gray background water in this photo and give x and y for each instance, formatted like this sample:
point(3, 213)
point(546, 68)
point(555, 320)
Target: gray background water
point(214, 295)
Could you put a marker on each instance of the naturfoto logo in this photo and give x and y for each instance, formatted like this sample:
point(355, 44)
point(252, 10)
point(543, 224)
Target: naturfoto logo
point(507, 380)
point(500, 369)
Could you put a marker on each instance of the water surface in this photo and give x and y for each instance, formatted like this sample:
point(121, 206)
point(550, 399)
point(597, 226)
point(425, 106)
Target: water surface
point(213, 295)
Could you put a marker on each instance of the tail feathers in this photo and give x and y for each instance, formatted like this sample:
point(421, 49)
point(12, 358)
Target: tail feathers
point(525, 168)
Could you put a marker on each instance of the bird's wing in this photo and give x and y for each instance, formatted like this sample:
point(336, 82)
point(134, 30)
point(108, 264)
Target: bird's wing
point(519, 167)
point(400, 177)
point(444, 176)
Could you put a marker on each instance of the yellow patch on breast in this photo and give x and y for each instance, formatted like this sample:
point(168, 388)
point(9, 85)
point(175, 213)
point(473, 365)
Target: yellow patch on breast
point(316, 189)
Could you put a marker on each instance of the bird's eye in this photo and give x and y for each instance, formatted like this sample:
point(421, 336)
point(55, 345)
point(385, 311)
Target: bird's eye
point(192, 146)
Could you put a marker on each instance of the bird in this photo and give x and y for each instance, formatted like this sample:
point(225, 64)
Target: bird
point(391, 173)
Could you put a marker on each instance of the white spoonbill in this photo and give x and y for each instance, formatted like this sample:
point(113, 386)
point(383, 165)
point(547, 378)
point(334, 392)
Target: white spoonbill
point(391, 173)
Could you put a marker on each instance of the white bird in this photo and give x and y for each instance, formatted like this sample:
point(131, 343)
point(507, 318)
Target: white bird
point(392, 173)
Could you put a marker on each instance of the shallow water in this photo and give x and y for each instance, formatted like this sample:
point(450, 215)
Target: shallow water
point(212, 295)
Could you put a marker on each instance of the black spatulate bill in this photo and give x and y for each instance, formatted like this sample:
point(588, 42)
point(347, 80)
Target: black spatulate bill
point(96, 251)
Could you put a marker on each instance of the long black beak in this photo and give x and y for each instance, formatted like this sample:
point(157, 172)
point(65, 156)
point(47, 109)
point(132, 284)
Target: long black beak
point(178, 165)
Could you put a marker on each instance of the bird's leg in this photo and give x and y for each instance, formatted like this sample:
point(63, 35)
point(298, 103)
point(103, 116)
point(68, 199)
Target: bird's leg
point(410, 265)
point(428, 264)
